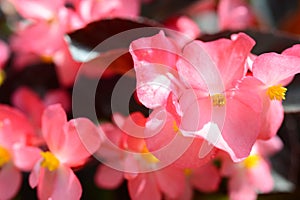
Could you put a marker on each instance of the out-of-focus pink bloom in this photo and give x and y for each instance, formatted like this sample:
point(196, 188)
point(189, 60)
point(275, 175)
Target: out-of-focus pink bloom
point(207, 77)
point(168, 181)
point(184, 25)
point(33, 106)
point(235, 15)
point(15, 152)
point(4, 54)
point(274, 71)
point(52, 173)
point(254, 173)
point(95, 10)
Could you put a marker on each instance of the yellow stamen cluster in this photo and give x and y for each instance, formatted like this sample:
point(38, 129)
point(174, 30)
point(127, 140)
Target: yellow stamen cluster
point(47, 59)
point(218, 100)
point(4, 156)
point(149, 156)
point(2, 76)
point(50, 161)
point(251, 161)
point(276, 92)
point(187, 172)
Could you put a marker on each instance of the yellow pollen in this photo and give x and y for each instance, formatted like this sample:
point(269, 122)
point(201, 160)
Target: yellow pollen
point(149, 156)
point(187, 172)
point(251, 161)
point(2, 76)
point(276, 92)
point(4, 156)
point(47, 59)
point(175, 127)
point(218, 100)
point(50, 161)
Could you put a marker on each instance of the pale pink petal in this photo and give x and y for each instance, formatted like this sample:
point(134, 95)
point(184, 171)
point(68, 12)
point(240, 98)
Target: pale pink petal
point(25, 157)
point(46, 183)
point(53, 119)
point(154, 58)
point(37, 10)
point(206, 178)
point(145, 187)
point(240, 188)
point(273, 69)
point(260, 176)
point(66, 185)
point(10, 181)
point(34, 176)
point(171, 181)
point(108, 178)
point(229, 56)
point(81, 138)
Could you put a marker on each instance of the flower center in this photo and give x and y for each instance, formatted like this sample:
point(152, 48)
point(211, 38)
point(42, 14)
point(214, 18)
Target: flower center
point(50, 161)
point(47, 59)
point(276, 92)
point(4, 156)
point(251, 161)
point(2, 76)
point(187, 172)
point(218, 100)
point(149, 156)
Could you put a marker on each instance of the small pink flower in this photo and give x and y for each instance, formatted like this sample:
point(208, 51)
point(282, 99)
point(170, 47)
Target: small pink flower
point(52, 173)
point(254, 173)
point(15, 152)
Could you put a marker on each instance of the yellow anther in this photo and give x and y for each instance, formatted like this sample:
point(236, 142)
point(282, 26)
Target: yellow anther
point(4, 156)
point(251, 161)
point(47, 59)
point(49, 161)
point(187, 172)
point(276, 92)
point(2, 76)
point(175, 127)
point(218, 100)
point(149, 156)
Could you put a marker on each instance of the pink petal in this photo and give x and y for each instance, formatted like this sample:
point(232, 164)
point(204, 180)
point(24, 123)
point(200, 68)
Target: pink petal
point(53, 119)
point(271, 119)
point(260, 177)
point(25, 157)
point(240, 188)
point(15, 126)
point(154, 58)
point(273, 69)
point(10, 181)
point(46, 183)
point(66, 185)
point(235, 15)
point(34, 176)
point(4, 53)
point(206, 178)
point(58, 96)
point(30, 103)
point(144, 187)
point(81, 138)
point(269, 147)
point(171, 181)
point(108, 178)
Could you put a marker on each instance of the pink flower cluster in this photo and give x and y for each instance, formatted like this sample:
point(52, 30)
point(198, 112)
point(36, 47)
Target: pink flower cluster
point(215, 107)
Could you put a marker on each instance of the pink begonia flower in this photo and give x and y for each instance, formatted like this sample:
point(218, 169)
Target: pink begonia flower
point(205, 179)
point(16, 154)
point(33, 106)
point(183, 24)
point(274, 71)
point(132, 153)
point(70, 144)
point(253, 174)
point(235, 15)
point(211, 94)
point(95, 10)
